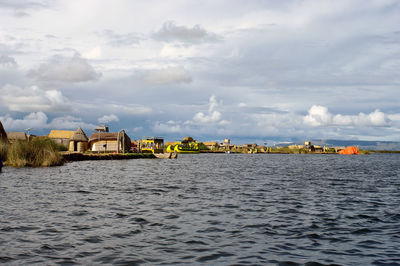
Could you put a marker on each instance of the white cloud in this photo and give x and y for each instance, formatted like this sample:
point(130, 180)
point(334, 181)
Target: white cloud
point(161, 127)
point(213, 116)
point(169, 75)
point(61, 69)
point(320, 116)
point(69, 122)
point(108, 119)
point(38, 121)
point(33, 99)
point(170, 32)
point(131, 109)
point(94, 53)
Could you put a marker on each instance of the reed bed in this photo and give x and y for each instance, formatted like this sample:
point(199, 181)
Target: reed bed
point(35, 153)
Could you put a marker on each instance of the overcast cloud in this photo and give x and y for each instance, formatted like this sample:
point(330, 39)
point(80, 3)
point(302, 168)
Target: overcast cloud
point(259, 70)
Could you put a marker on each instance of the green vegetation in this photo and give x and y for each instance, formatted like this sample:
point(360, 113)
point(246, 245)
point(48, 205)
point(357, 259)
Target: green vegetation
point(203, 147)
point(384, 151)
point(35, 153)
point(3, 151)
point(364, 152)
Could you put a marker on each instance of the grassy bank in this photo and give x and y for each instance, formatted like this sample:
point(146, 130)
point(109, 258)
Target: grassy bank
point(35, 153)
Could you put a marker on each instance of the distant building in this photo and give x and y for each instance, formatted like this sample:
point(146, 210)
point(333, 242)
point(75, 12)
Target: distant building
point(109, 142)
point(212, 145)
point(62, 137)
point(79, 141)
point(73, 140)
point(16, 136)
point(249, 146)
point(102, 128)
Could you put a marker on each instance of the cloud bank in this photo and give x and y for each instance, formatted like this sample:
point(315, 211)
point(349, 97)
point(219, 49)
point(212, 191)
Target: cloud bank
point(33, 99)
point(320, 116)
point(61, 69)
point(170, 32)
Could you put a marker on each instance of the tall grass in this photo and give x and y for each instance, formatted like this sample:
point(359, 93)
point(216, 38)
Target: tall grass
point(3, 150)
point(37, 152)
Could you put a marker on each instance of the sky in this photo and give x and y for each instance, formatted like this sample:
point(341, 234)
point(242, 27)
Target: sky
point(248, 70)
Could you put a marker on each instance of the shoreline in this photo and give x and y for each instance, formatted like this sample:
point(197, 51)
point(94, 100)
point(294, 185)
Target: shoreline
point(74, 157)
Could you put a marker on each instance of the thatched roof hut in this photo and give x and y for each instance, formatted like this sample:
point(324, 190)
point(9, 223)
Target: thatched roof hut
point(79, 135)
point(79, 141)
point(3, 135)
point(73, 140)
point(188, 139)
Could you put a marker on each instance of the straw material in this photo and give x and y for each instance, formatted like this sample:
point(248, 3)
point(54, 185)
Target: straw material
point(61, 134)
point(79, 135)
point(17, 136)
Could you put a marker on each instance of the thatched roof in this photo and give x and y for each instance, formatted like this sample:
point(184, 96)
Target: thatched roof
point(3, 135)
point(109, 136)
point(17, 136)
point(188, 139)
point(106, 136)
point(61, 134)
point(211, 143)
point(172, 143)
point(79, 135)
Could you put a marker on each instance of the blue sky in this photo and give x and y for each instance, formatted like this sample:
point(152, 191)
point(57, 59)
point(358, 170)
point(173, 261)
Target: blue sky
point(246, 70)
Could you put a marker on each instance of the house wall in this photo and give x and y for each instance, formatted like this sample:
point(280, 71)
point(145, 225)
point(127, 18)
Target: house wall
point(64, 142)
point(78, 146)
point(111, 146)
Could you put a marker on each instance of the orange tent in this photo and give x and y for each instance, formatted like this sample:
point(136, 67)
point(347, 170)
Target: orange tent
point(350, 150)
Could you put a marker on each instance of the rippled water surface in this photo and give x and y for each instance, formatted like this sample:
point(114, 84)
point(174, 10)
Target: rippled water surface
point(204, 209)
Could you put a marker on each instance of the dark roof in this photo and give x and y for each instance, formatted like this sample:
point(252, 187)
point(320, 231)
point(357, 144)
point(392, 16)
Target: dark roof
point(3, 135)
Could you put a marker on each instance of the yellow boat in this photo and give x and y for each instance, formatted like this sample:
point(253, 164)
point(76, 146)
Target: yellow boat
point(187, 145)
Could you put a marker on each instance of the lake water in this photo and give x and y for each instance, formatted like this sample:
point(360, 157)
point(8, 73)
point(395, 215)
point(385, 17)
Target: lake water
point(212, 209)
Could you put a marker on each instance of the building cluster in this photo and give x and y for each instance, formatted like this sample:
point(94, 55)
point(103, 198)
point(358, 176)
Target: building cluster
point(77, 141)
point(104, 141)
point(315, 148)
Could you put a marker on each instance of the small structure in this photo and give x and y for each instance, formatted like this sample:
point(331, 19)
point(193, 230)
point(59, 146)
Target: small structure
point(16, 136)
point(79, 141)
point(109, 142)
point(73, 140)
point(249, 146)
point(102, 128)
point(3, 134)
point(152, 145)
point(62, 137)
point(212, 145)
